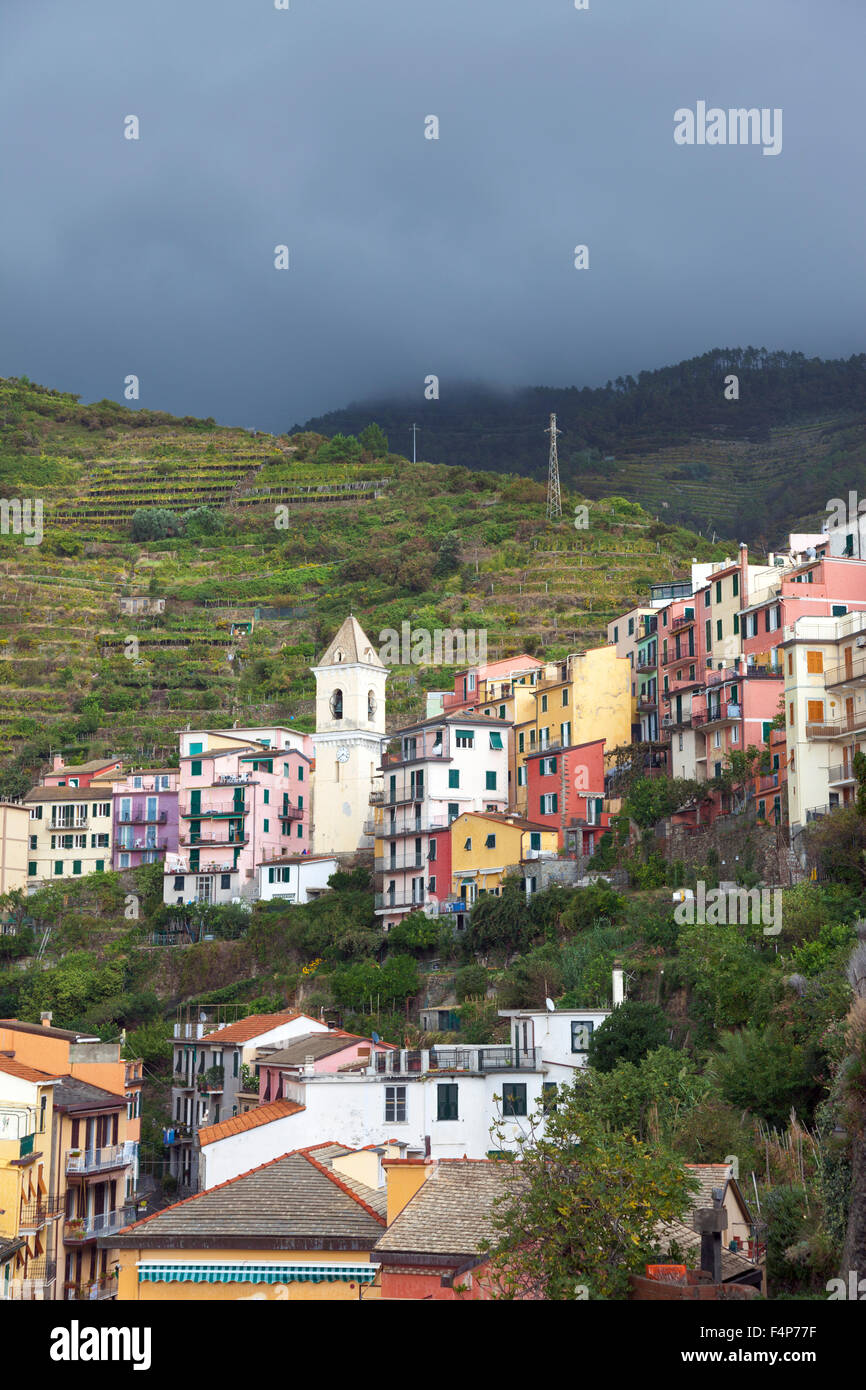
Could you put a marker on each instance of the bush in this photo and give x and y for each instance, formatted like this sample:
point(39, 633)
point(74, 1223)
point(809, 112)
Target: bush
point(471, 982)
point(631, 1031)
point(155, 524)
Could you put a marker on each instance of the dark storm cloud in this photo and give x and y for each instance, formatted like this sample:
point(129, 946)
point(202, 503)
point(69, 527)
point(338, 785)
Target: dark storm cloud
point(410, 256)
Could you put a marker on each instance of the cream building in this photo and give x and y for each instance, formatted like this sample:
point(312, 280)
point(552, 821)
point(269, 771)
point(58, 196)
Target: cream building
point(14, 841)
point(350, 733)
point(70, 832)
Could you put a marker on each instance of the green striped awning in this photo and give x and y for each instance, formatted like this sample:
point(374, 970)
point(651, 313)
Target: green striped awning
point(153, 1272)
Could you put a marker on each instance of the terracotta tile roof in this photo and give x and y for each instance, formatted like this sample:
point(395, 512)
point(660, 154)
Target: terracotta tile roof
point(14, 1068)
point(251, 1119)
point(294, 1197)
point(503, 819)
point(355, 645)
point(711, 1175)
point(245, 1029)
point(451, 1213)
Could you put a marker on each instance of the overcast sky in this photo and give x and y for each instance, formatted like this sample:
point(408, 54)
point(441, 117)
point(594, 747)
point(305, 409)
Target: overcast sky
point(411, 256)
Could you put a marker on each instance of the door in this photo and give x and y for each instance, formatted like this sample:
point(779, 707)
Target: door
point(849, 711)
point(849, 662)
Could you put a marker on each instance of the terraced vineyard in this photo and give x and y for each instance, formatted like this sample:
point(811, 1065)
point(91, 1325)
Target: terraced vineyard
point(297, 543)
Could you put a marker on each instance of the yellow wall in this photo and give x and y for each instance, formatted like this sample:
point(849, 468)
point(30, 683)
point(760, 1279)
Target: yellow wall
point(130, 1290)
point(489, 864)
point(403, 1180)
point(27, 1183)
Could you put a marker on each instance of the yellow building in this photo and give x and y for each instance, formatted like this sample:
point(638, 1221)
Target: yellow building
point(14, 841)
point(29, 1204)
point(486, 844)
point(299, 1228)
point(585, 697)
point(86, 1141)
point(70, 831)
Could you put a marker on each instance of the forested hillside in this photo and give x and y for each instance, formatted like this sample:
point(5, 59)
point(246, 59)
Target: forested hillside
point(752, 468)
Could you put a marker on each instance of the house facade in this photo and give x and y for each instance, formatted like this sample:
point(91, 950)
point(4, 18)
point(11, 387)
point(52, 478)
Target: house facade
point(144, 817)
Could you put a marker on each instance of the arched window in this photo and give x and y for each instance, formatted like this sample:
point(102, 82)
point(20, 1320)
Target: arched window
point(371, 704)
point(337, 704)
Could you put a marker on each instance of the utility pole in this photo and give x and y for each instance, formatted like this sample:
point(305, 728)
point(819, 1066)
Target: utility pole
point(414, 432)
point(554, 500)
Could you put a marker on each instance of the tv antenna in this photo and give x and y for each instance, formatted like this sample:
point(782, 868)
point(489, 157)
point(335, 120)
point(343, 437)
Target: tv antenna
point(554, 499)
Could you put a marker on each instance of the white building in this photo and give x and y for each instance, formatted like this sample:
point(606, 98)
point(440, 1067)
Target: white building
point(445, 1101)
point(295, 878)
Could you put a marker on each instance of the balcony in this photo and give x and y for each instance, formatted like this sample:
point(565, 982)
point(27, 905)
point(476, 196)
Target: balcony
point(679, 623)
point(497, 1057)
point(36, 1285)
point(645, 663)
point(78, 1229)
point(66, 828)
point(233, 779)
point(838, 728)
point(142, 818)
point(211, 1082)
point(847, 672)
point(35, 1215)
point(842, 772)
point(103, 1287)
point(290, 813)
point(724, 713)
point(761, 673)
point(647, 703)
point(384, 865)
point(377, 796)
point(389, 901)
point(233, 812)
point(213, 837)
point(83, 1162)
point(673, 657)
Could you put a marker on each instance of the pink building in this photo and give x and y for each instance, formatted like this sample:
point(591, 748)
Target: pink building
point(81, 775)
point(244, 799)
point(330, 1052)
point(144, 816)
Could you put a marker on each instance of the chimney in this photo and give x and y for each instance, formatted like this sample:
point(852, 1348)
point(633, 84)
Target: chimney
point(58, 762)
point(45, 1019)
point(618, 986)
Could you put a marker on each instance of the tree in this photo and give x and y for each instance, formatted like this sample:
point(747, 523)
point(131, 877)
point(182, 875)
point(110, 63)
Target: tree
point(202, 521)
point(632, 1030)
point(742, 767)
point(152, 1044)
point(448, 554)
point(765, 1071)
point(651, 799)
point(155, 524)
point(581, 1205)
point(374, 441)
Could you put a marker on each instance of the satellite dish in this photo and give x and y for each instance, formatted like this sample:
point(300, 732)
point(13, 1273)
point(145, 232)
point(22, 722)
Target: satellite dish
point(551, 1007)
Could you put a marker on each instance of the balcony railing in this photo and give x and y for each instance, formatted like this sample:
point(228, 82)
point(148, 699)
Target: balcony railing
point(67, 827)
point(142, 818)
point(216, 812)
point(103, 1287)
point(842, 772)
point(383, 830)
point(80, 1228)
point(682, 622)
point(35, 1215)
point(723, 713)
point(837, 728)
point(853, 671)
point(37, 1284)
point(213, 837)
point(377, 796)
point(290, 813)
point(84, 1161)
point(396, 900)
point(384, 865)
point(497, 1057)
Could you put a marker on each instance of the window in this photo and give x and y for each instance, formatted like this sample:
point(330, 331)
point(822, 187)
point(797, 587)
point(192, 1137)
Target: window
point(31, 868)
point(735, 585)
point(547, 767)
point(431, 851)
point(266, 825)
point(815, 663)
point(300, 774)
point(630, 626)
point(496, 740)
point(395, 1105)
point(535, 839)
point(544, 704)
point(521, 737)
point(790, 711)
point(581, 1032)
point(521, 775)
point(299, 831)
point(514, 1098)
point(453, 777)
point(490, 781)
point(453, 811)
point(490, 842)
point(501, 711)
point(225, 880)
point(549, 804)
point(235, 1062)
point(446, 1101)
point(707, 598)
point(465, 738)
point(616, 634)
point(839, 610)
point(467, 844)
point(814, 711)
point(709, 634)
point(736, 624)
point(195, 768)
point(719, 629)
point(267, 797)
point(178, 883)
point(58, 867)
point(565, 733)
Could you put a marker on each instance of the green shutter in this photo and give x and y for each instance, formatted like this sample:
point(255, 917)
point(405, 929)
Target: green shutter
point(270, 875)
point(490, 781)
point(76, 866)
point(58, 866)
point(31, 868)
point(195, 768)
point(453, 777)
point(496, 740)
point(100, 866)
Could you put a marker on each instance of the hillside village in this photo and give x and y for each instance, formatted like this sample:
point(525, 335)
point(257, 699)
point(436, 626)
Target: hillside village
point(539, 812)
